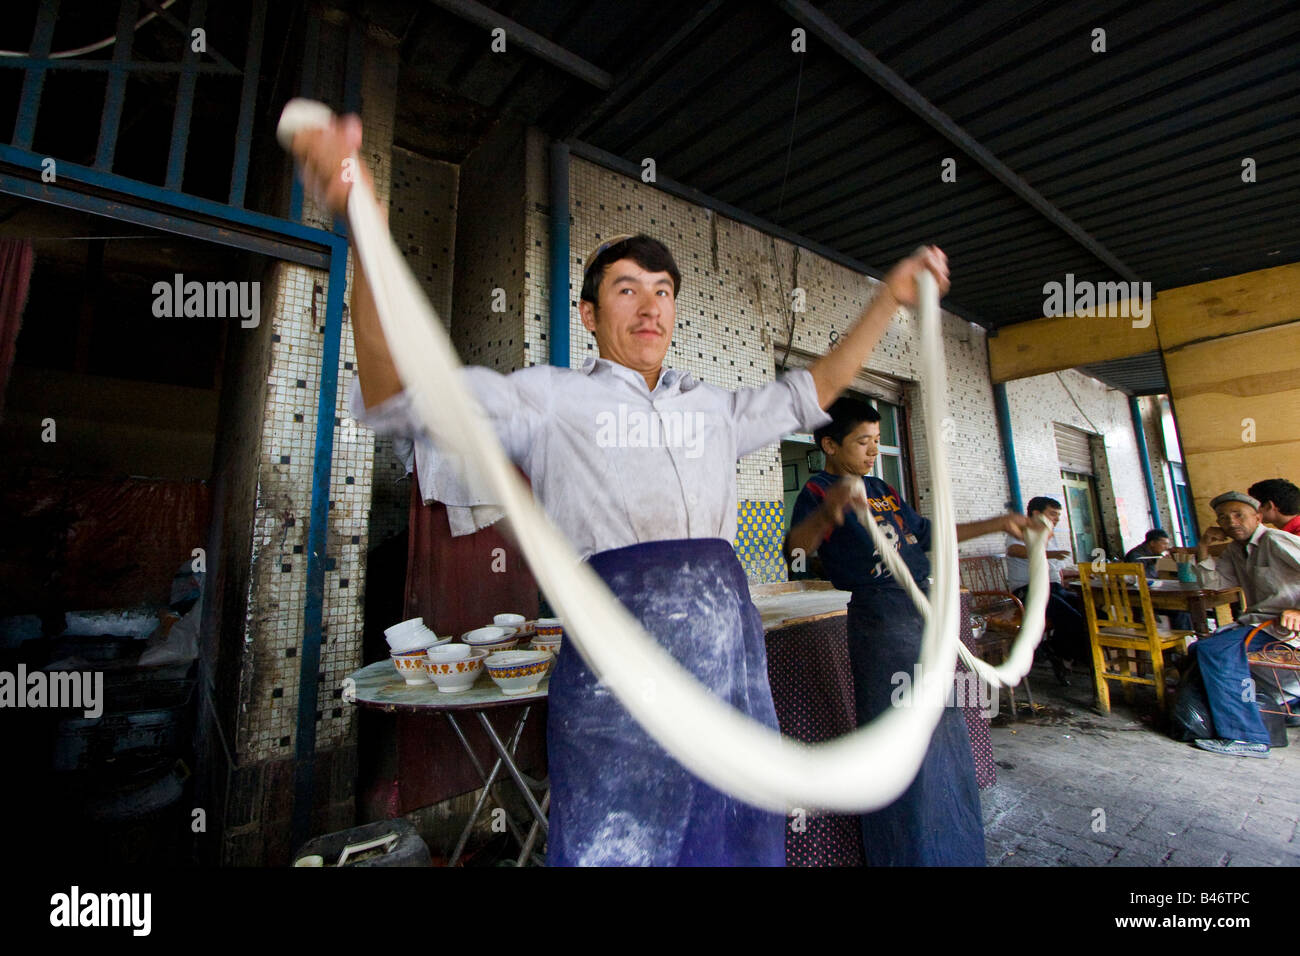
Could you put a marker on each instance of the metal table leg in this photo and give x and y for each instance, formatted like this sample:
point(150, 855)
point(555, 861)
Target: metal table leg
point(533, 831)
point(513, 770)
point(488, 782)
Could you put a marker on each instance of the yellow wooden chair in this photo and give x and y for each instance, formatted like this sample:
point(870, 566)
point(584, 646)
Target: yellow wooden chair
point(1108, 603)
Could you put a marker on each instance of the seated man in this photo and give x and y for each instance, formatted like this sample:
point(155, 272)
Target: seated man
point(1069, 639)
point(1279, 503)
point(1148, 554)
point(1149, 551)
point(1265, 564)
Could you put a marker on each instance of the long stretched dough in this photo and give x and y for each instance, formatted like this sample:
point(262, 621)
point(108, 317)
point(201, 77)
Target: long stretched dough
point(862, 771)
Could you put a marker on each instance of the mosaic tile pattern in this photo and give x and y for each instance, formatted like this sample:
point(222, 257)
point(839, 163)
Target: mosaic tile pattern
point(487, 326)
point(759, 536)
point(267, 723)
point(422, 216)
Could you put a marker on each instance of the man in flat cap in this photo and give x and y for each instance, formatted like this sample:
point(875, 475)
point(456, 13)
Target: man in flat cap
point(1265, 563)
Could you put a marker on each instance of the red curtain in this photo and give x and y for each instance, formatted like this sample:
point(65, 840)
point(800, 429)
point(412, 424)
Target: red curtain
point(457, 584)
point(16, 259)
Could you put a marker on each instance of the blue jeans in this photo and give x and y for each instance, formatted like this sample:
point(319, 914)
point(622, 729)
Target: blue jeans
point(1222, 659)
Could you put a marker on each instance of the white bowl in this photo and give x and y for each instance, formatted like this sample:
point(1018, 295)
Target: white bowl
point(456, 676)
point(509, 620)
point(411, 667)
point(421, 639)
point(487, 635)
point(403, 627)
point(449, 652)
point(518, 672)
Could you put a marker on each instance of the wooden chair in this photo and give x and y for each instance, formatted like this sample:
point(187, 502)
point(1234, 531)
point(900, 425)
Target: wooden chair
point(985, 577)
point(1112, 624)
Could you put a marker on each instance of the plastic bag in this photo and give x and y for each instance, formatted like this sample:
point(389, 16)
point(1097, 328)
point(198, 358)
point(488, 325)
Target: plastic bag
point(1190, 718)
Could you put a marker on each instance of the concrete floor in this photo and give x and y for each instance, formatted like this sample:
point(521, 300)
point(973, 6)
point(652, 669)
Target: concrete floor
point(1076, 788)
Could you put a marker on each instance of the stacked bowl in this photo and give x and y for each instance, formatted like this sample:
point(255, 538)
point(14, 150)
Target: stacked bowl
point(518, 672)
point(550, 635)
point(408, 642)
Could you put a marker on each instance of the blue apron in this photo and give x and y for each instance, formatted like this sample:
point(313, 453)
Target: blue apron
point(938, 820)
point(617, 799)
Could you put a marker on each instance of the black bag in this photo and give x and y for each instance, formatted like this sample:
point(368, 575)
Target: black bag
point(1190, 718)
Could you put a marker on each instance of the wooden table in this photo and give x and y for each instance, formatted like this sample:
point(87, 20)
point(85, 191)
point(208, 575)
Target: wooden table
point(1196, 600)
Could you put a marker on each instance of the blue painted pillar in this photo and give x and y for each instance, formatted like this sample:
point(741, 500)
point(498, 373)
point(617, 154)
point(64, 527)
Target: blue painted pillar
point(558, 331)
point(1008, 445)
point(1144, 457)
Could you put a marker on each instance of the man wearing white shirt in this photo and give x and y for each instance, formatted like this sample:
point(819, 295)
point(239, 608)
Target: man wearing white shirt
point(1265, 564)
point(635, 463)
point(1069, 640)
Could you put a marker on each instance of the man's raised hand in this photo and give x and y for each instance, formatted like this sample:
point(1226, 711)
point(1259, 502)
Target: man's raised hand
point(901, 279)
point(327, 161)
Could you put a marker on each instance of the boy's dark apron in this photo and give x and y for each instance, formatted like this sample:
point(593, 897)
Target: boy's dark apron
point(937, 821)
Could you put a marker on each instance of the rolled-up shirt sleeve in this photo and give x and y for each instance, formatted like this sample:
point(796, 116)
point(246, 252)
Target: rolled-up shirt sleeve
point(763, 415)
point(511, 408)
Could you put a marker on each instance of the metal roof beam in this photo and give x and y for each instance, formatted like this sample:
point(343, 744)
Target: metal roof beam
point(631, 81)
point(536, 44)
point(859, 57)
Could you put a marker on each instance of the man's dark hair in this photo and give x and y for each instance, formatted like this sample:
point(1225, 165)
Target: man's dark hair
point(650, 254)
point(846, 414)
point(1041, 503)
point(1155, 534)
point(1284, 495)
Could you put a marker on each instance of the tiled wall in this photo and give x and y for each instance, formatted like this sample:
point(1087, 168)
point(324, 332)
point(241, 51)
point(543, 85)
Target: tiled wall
point(490, 254)
point(759, 537)
point(269, 692)
point(1074, 399)
point(422, 217)
point(733, 324)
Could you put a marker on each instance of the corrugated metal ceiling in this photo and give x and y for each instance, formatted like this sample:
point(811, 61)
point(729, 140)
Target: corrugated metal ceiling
point(1140, 147)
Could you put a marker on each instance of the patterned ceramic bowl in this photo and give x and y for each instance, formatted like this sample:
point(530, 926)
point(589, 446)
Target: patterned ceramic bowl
point(455, 676)
point(550, 627)
point(518, 672)
point(549, 644)
point(411, 666)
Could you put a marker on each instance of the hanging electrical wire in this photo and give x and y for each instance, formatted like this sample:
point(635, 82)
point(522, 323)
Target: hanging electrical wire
point(91, 48)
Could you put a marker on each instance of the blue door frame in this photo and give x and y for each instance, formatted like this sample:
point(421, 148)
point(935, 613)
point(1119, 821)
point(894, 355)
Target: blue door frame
point(98, 190)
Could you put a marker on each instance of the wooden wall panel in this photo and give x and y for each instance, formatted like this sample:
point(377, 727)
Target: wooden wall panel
point(1055, 344)
point(1237, 401)
point(1252, 300)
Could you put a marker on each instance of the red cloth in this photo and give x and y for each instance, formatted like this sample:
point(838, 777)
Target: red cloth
point(457, 584)
point(1292, 526)
point(16, 260)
